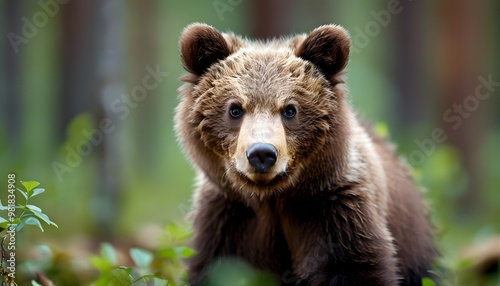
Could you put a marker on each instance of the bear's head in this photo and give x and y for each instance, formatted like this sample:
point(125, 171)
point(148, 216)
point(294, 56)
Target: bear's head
point(257, 117)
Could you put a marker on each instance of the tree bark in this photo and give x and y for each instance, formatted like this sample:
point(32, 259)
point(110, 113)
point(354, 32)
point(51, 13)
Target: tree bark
point(77, 48)
point(109, 73)
point(12, 103)
point(271, 18)
point(460, 59)
point(408, 72)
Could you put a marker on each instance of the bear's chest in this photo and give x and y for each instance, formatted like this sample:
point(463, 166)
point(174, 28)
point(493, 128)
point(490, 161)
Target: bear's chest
point(262, 241)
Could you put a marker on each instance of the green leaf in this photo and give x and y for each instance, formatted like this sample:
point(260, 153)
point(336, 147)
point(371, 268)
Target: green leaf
point(37, 212)
point(34, 208)
point(2, 207)
point(120, 276)
point(44, 217)
point(382, 130)
point(147, 277)
point(33, 221)
point(177, 252)
point(29, 185)
point(177, 233)
point(428, 282)
point(45, 250)
point(168, 253)
point(20, 226)
point(142, 258)
point(172, 228)
point(34, 283)
point(25, 194)
point(184, 251)
point(108, 252)
point(127, 270)
point(3, 223)
point(101, 264)
point(37, 191)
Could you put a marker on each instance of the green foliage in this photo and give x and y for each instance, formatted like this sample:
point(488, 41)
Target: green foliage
point(160, 267)
point(30, 214)
point(428, 282)
point(56, 264)
point(113, 274)
point(11, 224)
point(231, 272)
point(171, 251)
point(445, 182)
point(382, 130)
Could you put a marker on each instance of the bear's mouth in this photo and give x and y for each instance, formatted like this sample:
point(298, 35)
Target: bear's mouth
point(262, 180)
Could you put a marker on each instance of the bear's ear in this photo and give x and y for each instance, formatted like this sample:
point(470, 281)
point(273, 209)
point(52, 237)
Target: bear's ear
point(201, 46)
point(327, 47)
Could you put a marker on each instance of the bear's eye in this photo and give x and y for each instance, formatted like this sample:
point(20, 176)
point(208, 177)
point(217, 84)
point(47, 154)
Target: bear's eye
point(235, 110)
point(289, 111)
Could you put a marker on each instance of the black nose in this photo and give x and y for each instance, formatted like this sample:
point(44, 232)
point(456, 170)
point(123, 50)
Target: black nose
point(262, 156)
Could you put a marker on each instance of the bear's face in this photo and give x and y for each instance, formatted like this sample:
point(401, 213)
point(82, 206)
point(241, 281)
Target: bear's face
point(259, 112)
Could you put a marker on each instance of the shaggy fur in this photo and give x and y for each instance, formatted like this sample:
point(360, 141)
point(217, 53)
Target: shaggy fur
point(336, 208)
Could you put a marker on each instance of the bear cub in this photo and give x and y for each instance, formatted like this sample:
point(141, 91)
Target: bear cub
point(289, 180)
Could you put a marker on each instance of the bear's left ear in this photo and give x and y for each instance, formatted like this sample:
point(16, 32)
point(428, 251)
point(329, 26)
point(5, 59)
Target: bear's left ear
point(201, 46)
point(327, 47)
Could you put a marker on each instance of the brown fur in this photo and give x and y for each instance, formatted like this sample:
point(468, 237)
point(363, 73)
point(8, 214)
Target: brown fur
point(337, 207)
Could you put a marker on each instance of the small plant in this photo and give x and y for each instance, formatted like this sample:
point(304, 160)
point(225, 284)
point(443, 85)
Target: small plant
point(11, 224)
point(112, 274)
point(160, 267)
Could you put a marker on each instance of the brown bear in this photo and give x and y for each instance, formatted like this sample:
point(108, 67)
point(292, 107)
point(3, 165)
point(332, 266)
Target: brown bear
point(288, 178)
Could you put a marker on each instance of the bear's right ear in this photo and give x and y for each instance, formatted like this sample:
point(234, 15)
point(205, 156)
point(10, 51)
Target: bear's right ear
point(201, 46)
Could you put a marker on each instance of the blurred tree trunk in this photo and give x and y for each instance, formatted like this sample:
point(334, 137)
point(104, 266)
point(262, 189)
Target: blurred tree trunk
point(408, 60)
point(11, 92)
point(108, 31)
point(271, 18)
point(77, 83)
point(276, 18)
point(460, 60)
point(143, 53)
point(91, 71)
